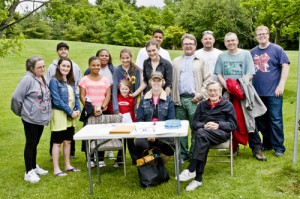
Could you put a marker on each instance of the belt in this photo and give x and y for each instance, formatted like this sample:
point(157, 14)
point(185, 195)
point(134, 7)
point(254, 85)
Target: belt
point(187, 95)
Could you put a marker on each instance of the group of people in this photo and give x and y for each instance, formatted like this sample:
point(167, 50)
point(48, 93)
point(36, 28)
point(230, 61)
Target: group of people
point(197, 86)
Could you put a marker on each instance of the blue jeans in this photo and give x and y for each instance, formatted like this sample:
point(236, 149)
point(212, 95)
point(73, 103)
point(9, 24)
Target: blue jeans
point(271, 124)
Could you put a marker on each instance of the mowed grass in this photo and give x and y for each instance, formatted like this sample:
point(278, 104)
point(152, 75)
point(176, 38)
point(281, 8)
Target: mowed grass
point(275, 178)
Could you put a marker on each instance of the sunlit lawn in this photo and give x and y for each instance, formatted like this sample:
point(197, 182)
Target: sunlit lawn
point(276, 178)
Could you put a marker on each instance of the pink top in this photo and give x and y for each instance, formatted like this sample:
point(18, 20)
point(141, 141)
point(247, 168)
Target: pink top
point(95, 90)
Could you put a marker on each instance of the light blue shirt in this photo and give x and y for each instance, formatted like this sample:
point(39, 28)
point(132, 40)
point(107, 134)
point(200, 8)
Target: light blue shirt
point(186, 77)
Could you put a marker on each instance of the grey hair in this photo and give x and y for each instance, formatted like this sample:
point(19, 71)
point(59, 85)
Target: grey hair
point(213, 82)
point(30, 62)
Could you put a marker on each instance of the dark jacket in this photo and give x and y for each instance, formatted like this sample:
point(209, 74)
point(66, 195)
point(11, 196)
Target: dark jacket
point(166, 108)
point(60, 97)
point(118, 76)
point(164, 66)
point(223, 114)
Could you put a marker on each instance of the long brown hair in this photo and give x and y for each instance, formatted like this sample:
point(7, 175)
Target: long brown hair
point(132, 65)
point(59, 76)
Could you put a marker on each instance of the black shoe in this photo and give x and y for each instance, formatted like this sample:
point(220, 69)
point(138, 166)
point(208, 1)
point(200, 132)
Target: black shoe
point(266, 148)
point(259, 155)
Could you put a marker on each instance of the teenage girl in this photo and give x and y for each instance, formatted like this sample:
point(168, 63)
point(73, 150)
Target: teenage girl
point(65, 109)
point(126, 71)
point(96, 89)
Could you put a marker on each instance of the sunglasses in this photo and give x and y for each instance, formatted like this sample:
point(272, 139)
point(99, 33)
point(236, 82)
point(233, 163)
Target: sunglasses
point(207, 32)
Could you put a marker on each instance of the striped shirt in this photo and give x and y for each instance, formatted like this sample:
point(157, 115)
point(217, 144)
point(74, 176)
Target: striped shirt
point(95, 90)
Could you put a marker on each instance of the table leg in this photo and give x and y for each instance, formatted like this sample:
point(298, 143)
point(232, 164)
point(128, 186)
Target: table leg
point(124, 156)
point(88, 154)
point(97, 164)
point(177, 160)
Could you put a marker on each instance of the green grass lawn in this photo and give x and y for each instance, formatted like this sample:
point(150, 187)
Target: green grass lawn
point(275, 178)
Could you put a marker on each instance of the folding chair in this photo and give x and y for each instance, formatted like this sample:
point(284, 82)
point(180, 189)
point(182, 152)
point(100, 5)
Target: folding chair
point(107, 144)
point(224, 158)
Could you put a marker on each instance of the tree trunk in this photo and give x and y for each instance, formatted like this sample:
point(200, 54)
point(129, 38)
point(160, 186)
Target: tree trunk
point(11, 12)
point(277, 36)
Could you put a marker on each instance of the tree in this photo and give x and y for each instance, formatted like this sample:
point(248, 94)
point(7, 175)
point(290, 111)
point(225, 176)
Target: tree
point(36, 26)
point(151, 18)
point(173, 36)
point(281, 16)
point(7, 20)
point(126, 32)
point(220, 16)
point(8, 9)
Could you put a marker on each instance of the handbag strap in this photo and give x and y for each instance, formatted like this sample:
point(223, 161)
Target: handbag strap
point(151, 150)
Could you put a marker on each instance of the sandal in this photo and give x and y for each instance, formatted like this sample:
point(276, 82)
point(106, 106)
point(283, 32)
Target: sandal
point(60, 174)
point(73, 170)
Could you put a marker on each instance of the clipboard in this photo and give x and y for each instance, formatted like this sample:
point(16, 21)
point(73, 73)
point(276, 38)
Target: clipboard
point(122, 129)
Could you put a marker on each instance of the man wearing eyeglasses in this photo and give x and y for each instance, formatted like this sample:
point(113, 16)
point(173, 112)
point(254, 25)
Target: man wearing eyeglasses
point(236, 63)
point(190, 77)
point(271, 71)
point(208, 51)
point(158, 36)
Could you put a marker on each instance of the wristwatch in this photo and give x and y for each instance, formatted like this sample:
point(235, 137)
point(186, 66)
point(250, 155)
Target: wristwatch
point(103, 108)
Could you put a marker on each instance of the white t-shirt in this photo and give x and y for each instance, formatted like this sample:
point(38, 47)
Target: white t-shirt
point(142, 56)
point(211, 58)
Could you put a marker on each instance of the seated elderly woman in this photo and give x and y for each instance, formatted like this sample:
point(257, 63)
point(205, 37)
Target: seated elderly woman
point(213, 121)
point(155, 106)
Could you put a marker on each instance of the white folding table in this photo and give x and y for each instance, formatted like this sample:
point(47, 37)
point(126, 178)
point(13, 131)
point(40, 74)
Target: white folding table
point(142, 130)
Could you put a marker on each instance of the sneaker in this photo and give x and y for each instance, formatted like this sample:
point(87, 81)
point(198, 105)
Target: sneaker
point(259, 155)
point(186, 175)
point(117, 164)
point(110, 154)
point(102, 164)
point(31, 176)
point(278, 153)
point(92, 164)
point(38, 170)
point(193, 185)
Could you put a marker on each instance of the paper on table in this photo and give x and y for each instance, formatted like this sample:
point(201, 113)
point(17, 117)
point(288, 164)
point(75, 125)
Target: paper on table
point(146, 129)
point(126, 118)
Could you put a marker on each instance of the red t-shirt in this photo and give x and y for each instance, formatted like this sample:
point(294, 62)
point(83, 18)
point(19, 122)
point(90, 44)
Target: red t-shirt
point(126, 105)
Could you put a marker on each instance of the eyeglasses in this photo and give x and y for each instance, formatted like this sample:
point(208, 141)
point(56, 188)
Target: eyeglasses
point(188, 44)
point(262, 34)
point(40, 67)
point(207, 32)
